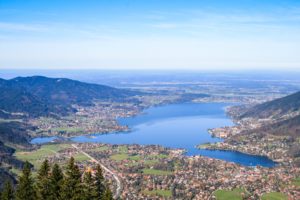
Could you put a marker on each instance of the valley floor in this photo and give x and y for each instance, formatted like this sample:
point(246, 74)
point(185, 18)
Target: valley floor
point(155, 172)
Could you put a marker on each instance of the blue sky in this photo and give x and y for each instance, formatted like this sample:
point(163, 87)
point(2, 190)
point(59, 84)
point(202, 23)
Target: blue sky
point(150, 34)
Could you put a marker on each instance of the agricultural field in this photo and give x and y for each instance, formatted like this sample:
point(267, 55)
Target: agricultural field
point(235, 194)
point(80, 157)
point(36, 157)
point(156, 172)
point(99, 149)
point(119, 157)
point(274, 196)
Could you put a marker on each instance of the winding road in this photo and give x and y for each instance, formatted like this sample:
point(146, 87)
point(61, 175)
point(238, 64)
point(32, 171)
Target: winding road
point(117, 179)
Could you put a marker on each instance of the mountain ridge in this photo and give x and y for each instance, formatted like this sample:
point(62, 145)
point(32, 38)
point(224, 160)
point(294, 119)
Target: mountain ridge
point(275, 108)
point(39, 95)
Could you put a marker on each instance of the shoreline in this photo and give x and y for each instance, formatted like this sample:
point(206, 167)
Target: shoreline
point(93, 135)
point(207, 147)
point(224, 146)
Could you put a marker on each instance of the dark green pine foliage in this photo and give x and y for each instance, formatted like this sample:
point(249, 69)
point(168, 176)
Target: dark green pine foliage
point(99, 181)
point(107, 194)
point(56, 181)
point(55, 185)
point(89, 187)
point(72, 187)
point(25, 189)
point(7, 192)
point(43, 181)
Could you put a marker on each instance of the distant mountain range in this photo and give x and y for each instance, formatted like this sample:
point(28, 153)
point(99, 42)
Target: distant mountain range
point(38, 95)
point(275, 108)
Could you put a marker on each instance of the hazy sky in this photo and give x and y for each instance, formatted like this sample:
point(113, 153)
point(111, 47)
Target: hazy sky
point(150, 34)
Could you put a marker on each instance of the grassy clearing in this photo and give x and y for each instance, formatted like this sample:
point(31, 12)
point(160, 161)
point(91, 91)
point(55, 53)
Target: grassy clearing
point(296, 182)
point(235, 194)
point(34, 155)
point(125, 156)
point(159, 156)
point(119, 157)
point(123, 149)
point(162, 193)
point(81, 157)
point(151, 162)
point(274, 196)
point(156, 172)
point(147, 163)
point(68, 129)
point(99, 149)
point(56, 147)
point(136, 157)
point(38, 156)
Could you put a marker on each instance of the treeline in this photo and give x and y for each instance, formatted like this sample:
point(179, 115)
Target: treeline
point(53, 184)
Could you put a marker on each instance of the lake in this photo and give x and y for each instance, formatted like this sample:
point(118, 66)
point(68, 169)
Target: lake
point(182, 125)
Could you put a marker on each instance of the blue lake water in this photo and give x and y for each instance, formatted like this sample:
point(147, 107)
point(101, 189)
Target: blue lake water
point(176, 126)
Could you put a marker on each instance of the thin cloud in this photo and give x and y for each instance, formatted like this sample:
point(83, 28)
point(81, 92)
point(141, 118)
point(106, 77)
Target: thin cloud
point(193, 21)
point(5, 26)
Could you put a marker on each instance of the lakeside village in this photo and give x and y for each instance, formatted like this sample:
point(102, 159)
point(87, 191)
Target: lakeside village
point(99, 118)
point(237, 138)
point(155, 172)
point(102, 116)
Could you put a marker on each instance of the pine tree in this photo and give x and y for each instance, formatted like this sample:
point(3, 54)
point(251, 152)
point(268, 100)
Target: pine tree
point(25, 189)
point(56, 181)
point(107, 194)
point(72, 187)
point(89, 187)
point(8, 191)
point(43, 181)
point(99, 181)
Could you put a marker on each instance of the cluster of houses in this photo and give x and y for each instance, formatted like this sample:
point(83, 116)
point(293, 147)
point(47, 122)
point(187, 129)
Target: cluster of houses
point(177, 176)
point(100, 118)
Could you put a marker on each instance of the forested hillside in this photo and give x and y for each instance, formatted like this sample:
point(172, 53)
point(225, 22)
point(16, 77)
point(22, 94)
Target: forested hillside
point(275, 108)
point(39, 96)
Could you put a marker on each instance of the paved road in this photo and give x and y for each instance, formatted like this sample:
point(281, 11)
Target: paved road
point(117, 179)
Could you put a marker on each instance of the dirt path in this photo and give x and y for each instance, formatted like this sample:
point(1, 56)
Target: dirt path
point(117, 179)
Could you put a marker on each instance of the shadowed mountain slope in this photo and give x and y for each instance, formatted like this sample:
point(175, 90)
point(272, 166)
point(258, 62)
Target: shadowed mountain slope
point(38, 95)
point(275, 108)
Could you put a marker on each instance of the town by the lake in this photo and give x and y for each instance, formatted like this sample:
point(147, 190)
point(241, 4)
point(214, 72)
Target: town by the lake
point(168, 147)
point(150, 100)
